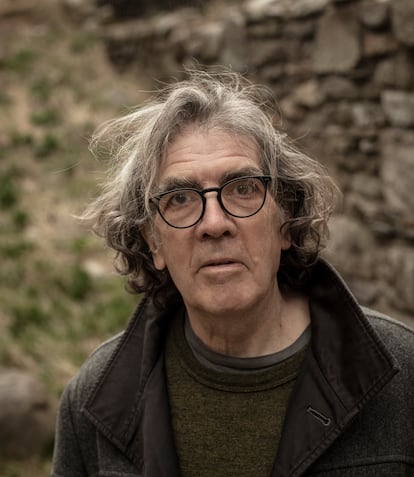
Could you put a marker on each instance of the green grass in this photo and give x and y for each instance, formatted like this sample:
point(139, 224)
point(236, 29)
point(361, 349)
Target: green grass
point(46, 117)
point(21, 62)
point(41, 88)
point(18, 139)
point(55, 306)
point(54, 311)
point(82, 43)
point(57, 310)
point(15, 249)
point(9, 193)
point(25, 316)
point(33, 467)
point(47, 145)
point(20, 219)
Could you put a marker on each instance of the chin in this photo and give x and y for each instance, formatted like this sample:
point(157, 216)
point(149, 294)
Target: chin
point(226, 305)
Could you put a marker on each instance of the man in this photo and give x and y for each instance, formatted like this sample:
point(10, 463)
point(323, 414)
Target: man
point(248, 356)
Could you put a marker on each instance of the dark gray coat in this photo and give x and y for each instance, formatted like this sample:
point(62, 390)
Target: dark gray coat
point(351, 412)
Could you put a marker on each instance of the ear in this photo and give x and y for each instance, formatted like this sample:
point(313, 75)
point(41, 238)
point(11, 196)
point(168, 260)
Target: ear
point(285, 238)
point(154, 245)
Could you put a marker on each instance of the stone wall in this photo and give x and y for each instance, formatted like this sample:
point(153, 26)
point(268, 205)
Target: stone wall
point(27, 415)
point(343, 72)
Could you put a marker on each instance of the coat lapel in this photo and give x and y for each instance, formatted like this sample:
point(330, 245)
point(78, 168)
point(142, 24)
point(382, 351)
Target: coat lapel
point(129, 404)
point(346, 365)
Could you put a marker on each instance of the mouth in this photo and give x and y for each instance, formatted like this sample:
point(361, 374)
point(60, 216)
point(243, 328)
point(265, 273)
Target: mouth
point(219, 263)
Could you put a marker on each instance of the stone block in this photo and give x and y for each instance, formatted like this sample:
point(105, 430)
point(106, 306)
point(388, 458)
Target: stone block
point(338, 87)
point(367, 186)
point(308, 94)
point(401, 277)
point(27, 415)
point(378, 44)
point(337, 48)
point(374, 15)
point(396, 71)
point(351, 247)
point(397, 172)
point(299, 28)
point(402, 15)
point(267, 28)
point(259, 9)
point(234, 46)
point(398, 107)
point(367, 115)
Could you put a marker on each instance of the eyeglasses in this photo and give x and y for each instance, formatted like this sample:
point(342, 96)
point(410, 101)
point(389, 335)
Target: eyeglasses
point(184, 207)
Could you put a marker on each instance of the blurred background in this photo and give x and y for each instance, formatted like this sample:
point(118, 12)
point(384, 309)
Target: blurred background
point(343, 74)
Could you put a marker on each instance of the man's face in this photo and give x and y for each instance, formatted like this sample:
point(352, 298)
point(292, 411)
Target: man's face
point(223, 264)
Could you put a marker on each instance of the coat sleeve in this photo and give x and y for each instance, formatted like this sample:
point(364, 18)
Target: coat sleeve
point(68, 458)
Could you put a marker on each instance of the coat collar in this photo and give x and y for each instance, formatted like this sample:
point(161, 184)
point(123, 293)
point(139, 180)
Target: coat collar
point(345, 366)
point(129, 403)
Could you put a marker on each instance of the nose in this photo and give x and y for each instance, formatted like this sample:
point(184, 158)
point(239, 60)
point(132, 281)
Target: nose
point(215, 221)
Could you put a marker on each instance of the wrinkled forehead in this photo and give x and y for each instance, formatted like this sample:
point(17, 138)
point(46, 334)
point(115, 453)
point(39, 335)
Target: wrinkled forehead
point(199, 150)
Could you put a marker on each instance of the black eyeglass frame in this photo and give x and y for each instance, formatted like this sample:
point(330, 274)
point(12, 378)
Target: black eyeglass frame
point(155, 200)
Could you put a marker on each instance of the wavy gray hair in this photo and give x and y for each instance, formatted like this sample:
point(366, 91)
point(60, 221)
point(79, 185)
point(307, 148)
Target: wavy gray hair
point(137, 144)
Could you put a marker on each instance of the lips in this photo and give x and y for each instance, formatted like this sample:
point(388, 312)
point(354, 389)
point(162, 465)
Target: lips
point(219, 262)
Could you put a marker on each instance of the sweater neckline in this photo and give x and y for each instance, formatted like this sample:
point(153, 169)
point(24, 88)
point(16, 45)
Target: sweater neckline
point(257, 380)
point(231, 364)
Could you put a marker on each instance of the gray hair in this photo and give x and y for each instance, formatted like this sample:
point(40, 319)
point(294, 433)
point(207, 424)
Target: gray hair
point(137, 145)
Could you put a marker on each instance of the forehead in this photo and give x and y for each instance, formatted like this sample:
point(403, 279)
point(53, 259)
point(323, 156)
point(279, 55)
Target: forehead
point(205, 156)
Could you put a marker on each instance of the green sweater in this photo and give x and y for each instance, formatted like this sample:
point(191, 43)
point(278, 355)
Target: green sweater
point(225, 424)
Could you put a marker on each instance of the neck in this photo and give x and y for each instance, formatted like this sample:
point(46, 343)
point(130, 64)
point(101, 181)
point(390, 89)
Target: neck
point(252, 334)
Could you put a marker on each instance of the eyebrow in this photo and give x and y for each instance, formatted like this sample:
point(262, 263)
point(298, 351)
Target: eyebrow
point(246, 171)
point(171, 183)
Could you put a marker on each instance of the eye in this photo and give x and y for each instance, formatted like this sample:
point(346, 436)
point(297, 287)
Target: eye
point(242, 188)
point(178, 199)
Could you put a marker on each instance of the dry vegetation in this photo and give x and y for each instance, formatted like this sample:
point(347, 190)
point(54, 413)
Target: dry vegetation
point(59, 295)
